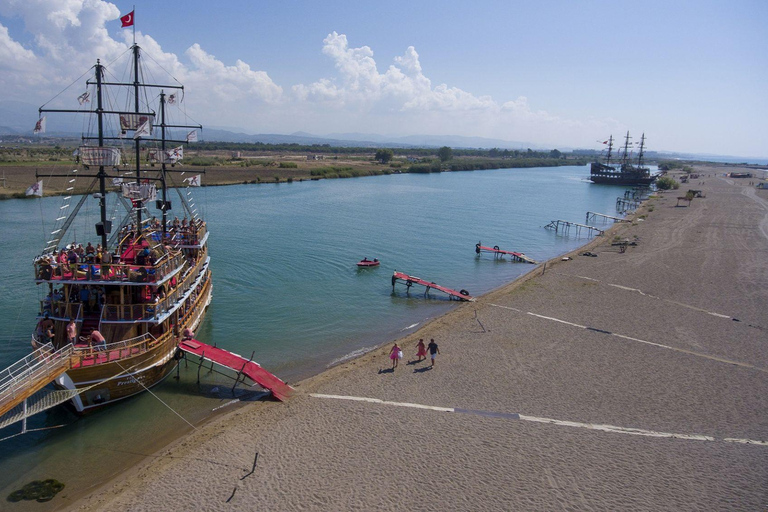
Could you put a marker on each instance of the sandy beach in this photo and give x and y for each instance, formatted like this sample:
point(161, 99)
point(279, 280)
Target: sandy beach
point(626, 381)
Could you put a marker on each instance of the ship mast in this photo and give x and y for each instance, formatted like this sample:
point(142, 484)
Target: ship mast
point(640, 155)
point(162, 163)
point(625, 157)
point(137, 142)
point(103, 228)
point(610, 149)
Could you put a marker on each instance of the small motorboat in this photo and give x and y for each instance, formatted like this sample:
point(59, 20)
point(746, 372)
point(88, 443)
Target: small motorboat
point(365, 262)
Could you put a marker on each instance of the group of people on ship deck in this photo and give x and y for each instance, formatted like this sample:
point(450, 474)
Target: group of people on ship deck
point(92, 298)
point(76, 262)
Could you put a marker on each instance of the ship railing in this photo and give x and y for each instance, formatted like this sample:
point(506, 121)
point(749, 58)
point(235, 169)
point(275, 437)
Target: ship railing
point(116, 350)
point(109, 272)
point(33, 369)
point(148, 311)
point(61, 310)
point(190, 236)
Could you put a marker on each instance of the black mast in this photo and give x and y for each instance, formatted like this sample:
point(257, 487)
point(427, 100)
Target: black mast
point(103, 227)
point(625, 158)
point(137, 140)
point(163, 157)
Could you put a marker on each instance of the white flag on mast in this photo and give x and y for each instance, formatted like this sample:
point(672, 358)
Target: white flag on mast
point(192, 136)
point(84, 98)
point(194, 181)
point(144, 130)
point(36, 189)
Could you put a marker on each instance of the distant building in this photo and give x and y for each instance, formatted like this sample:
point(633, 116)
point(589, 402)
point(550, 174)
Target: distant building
point(315, 157)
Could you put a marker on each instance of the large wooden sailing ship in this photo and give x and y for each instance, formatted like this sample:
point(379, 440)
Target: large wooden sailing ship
point(623, 172)
point(143, 280)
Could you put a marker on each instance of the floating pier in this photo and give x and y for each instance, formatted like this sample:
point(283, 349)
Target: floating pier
point(411, 280)
point(243, 367)
point(565, 226)
point(516, 256)
point(594, 215)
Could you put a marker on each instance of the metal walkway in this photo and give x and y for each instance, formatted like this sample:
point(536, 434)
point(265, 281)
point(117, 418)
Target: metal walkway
point(243, 366)
point(30, 374)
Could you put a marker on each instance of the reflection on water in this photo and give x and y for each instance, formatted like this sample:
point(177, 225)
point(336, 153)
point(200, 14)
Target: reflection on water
point(287, 288)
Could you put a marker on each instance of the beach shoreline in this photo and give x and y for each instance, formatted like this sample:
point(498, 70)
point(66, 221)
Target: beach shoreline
point(164, 466)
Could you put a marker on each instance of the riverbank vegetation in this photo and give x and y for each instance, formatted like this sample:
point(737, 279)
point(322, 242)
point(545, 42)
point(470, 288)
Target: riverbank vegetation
point(233, 163)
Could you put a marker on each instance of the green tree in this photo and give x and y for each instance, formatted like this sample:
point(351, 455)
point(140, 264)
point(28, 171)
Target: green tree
point(445, 153)
point(555, 154)
point(384, 155)
point(666, 183)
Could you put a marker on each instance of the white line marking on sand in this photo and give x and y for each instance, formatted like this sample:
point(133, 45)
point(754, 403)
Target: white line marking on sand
point(536, 419)
point(627, 288)
point(383, 402)
point(618, 430)
point(630, 338)
point(506, 307)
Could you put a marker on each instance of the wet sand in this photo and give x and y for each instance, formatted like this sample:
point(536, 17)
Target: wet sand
point(626, 381)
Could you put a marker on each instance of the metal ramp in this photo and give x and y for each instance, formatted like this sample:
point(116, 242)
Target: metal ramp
point(29, 375)
point(243, 366)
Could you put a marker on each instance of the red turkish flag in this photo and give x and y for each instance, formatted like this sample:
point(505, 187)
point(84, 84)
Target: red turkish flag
point(127, 20)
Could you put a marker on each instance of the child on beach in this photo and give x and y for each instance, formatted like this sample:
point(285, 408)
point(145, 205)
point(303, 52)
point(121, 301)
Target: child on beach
point(395, 354)
point(421, 350)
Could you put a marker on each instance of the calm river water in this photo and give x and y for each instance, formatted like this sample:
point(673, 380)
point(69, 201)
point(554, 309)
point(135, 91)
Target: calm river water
point(286, 286)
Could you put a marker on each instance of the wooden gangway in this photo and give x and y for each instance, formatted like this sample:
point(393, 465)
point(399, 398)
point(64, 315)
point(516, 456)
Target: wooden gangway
point(411, 280)
point(565, 226)
point(516, 256)
point(243, 366)
point(594, 215)
point(30, 374)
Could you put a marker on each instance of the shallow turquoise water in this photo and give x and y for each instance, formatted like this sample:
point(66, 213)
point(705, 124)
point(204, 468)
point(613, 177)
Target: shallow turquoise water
point(286, 287)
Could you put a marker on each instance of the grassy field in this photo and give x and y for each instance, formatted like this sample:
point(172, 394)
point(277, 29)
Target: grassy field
point(20, 168)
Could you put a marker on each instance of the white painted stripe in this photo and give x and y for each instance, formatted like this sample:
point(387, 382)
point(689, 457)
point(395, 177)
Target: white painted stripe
point(627, 288)
point(506, 307)
point(561, 423)
point(630, 338)
point(556, 320)
point(617, 430)
point(383, 402)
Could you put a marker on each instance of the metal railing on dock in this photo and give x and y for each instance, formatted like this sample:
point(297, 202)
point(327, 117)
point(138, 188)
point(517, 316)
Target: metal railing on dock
point(565, 227)
point(625, 205)
point(594, 215)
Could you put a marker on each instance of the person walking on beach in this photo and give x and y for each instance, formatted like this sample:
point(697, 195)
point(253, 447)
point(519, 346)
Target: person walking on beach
point(433, 351)
point(395, 354)
point(421, 349)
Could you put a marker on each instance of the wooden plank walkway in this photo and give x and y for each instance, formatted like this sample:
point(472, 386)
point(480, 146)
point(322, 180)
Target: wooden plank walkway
point(417, 280)
point(250, 369)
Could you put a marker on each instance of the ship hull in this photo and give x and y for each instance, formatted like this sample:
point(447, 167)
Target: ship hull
point(602, 174)
point(107, 382)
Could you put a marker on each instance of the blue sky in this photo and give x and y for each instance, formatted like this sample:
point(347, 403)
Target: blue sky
point(692, 75)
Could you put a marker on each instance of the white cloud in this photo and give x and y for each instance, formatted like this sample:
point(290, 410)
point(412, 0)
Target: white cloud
point(69, 35)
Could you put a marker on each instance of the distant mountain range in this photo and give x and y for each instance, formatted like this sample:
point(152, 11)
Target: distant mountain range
point(17, 118)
